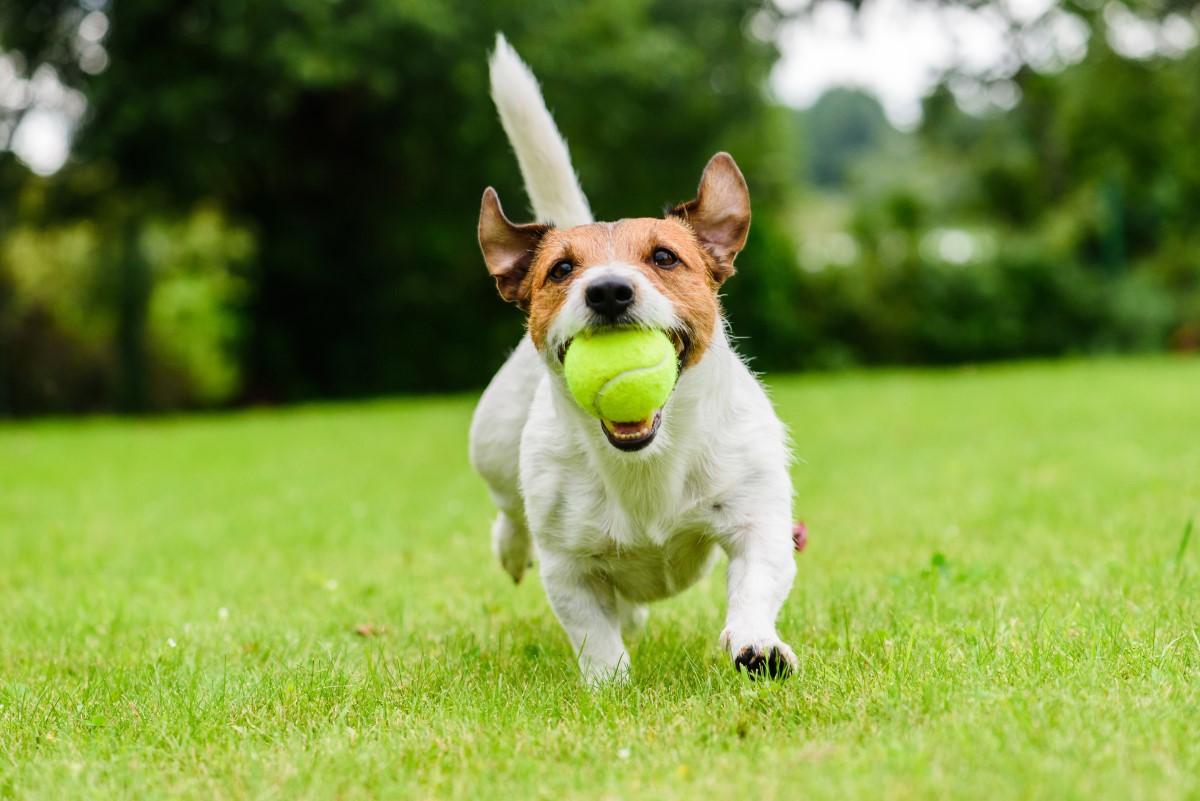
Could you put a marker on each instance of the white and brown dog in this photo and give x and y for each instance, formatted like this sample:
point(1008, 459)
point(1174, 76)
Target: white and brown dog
point(626, 513)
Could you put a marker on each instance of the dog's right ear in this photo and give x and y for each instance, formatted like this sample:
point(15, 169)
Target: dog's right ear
point(720, 214)
point(508, 249)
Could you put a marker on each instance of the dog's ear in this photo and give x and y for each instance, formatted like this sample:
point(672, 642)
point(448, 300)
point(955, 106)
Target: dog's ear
point(720, 214)
point(508, 249)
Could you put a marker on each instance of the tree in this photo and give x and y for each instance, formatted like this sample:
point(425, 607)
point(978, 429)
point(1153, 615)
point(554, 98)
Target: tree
point(841, 127)
point(353, 141)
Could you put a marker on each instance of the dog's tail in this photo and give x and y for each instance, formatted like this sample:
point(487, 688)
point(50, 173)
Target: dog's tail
point(541, 151)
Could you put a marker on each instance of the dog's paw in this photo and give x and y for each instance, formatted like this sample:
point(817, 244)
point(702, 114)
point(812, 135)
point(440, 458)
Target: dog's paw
point(598, 675)
point(512, 547)
point(776, 662)
point(764, 657)
point(515, 562)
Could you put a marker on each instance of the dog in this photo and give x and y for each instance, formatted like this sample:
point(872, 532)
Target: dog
point(623, 513)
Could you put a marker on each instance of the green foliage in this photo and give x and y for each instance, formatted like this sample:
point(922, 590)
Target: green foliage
point(1097, 162)
point(353, 142)
point(1061, 226)
point(52, 271)
point(842, 126)
point(321, 165)
point(1017, 304)
point(193, 320)
point(999, 592)
point(53, 321)
point(62, 318)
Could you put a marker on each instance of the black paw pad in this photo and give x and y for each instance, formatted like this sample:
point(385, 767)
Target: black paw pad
point(756, 663)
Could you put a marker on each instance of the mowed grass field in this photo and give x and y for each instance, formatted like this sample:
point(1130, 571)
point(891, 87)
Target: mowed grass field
point(999, 600)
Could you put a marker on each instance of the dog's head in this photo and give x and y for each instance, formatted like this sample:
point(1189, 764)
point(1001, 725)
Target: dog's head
point(642, 272)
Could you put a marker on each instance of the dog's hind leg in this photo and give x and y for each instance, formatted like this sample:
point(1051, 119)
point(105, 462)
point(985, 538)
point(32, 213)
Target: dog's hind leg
point(495, 448)
point(512, 544)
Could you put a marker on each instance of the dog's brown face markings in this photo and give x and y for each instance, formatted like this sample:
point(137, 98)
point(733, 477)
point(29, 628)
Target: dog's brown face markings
point(686, 255)
point(685, 277)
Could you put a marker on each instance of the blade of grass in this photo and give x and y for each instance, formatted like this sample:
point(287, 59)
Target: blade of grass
point(1183, 543)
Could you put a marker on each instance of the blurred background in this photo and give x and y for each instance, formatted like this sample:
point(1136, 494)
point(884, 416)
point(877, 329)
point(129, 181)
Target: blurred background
point(230, 202)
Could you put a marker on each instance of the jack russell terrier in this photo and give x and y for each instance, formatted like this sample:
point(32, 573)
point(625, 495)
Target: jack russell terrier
point(627, 513)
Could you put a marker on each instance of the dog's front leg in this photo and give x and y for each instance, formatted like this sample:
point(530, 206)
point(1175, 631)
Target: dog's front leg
point(586, 606)
point(761, 569)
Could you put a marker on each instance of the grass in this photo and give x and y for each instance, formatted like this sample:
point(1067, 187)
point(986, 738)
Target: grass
point(999, 600)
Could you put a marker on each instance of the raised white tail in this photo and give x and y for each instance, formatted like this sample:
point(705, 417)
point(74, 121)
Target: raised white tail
point(545, 161)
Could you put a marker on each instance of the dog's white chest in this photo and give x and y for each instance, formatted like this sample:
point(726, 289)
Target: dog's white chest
point(652, 572)
point(649, 547)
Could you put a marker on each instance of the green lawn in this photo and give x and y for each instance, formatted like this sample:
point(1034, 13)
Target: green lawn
point(998, 601)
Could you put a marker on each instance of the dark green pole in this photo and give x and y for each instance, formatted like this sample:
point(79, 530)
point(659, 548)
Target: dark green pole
point(133, 298)
point(4, 390)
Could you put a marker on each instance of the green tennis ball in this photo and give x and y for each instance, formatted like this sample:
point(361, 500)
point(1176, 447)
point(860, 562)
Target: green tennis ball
point(623, 375)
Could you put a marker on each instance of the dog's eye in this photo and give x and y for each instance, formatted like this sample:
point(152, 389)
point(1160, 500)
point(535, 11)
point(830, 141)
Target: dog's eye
point(561, 270)
point(664, 258)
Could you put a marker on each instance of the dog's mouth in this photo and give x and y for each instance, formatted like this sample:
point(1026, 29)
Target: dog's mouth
point(632, 436)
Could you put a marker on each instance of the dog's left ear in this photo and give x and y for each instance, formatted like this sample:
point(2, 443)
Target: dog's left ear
point(720, 214)
point(508, 249)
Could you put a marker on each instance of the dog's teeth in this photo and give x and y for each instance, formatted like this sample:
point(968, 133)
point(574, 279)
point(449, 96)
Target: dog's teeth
point(638, 434)
point(627, 432)
point(641, 432)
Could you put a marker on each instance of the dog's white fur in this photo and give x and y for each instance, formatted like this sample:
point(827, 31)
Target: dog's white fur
point(615, 530)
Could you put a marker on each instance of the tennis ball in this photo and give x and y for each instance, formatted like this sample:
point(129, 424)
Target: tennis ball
point(622, 375)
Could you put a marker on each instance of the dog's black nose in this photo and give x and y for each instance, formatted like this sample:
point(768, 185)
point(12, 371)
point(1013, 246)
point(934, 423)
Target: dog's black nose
point(608, 297)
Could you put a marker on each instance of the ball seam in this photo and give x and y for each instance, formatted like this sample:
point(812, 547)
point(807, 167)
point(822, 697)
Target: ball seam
point(600, 392)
